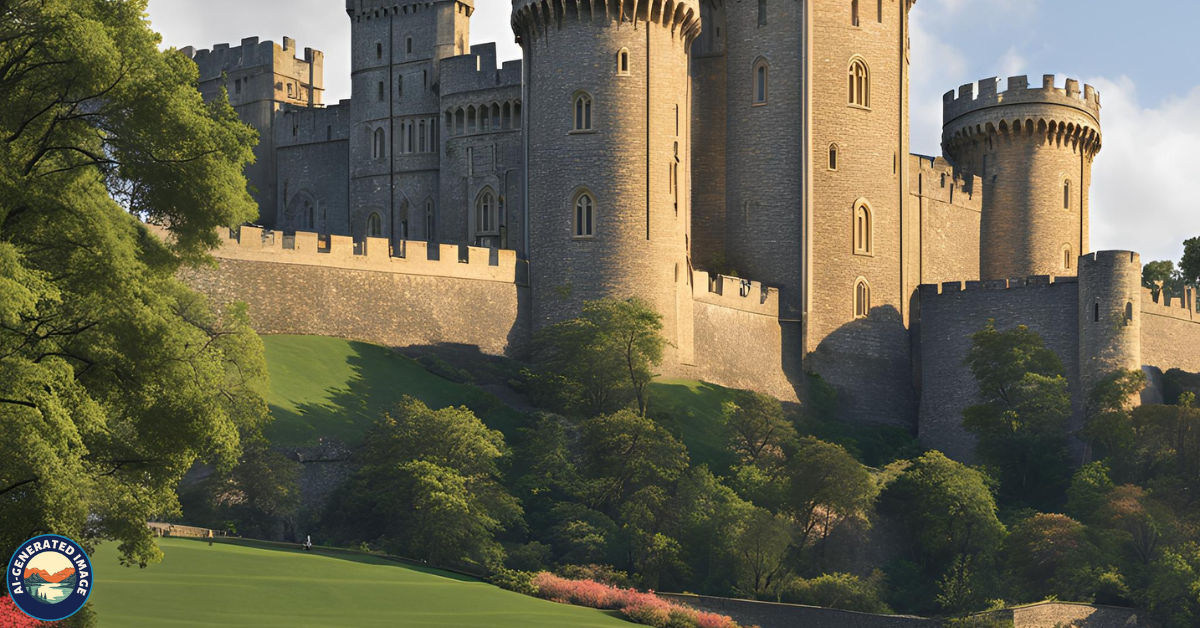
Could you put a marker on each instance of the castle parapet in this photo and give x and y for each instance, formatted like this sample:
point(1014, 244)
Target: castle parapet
point(478, 70)
point(1038, 282)
point(533, 18)
point(936, 179)
point(735, 292)
point(1180, 307)
point(1018, 92)
point(373, 254)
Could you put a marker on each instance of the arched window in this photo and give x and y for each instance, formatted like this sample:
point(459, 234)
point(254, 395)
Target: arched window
point(863, 244)
point(1067, 194)
point(379, 146)
point(860, 83)
point(411, 140)
point(623, 62)
point(762, 71)
point(471, 119)
point(1129, 312)
point(854, 12)
point(485, 213)
point(402, 232)
point(833, 156)
point(1067, 257)
point(507, 120)
point(374, 226)
point(584, 216)
point(459, 122)
point(862, 298)
point(430, 231)
point(495, 116)
point(583, 112)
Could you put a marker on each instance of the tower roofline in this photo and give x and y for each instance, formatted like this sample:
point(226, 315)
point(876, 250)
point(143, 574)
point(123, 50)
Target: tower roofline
point(532, 17)
point(967, 101)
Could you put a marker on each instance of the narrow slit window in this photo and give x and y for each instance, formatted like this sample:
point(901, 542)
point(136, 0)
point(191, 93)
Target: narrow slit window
point(762, 12)
point(854, 12)
point(623, 61)
point(833, 156)
point(761, 77)
point(1067, 194)
point(862, 299)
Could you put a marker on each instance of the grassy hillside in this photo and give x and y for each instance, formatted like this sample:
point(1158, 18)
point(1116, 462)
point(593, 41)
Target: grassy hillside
point(234, 586)
point(333, 387)
point(691, 410)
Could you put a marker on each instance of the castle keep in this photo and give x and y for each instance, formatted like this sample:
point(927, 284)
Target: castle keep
point(643, 148)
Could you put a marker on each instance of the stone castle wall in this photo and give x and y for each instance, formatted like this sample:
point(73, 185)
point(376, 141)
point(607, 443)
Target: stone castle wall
point(952, 312)
point(1170, 332)
point(312, 157)
point(948, 210)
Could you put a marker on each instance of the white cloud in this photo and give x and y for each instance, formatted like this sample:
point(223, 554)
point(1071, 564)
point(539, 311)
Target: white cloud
point(1143, 181)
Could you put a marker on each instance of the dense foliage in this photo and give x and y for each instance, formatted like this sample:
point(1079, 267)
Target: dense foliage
point(114, 377)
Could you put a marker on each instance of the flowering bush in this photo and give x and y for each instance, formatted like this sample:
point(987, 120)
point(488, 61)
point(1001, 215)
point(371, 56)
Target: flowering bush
point(12, 617)
point(643, 608)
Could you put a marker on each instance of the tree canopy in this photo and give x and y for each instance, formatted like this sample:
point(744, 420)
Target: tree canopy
point(114, 377)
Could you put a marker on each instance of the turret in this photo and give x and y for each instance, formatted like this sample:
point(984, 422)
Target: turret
point(1110, 318)
point(1033, 148)
point(606, 126)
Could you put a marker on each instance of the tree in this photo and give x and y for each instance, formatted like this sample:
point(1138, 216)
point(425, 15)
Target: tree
point(825, 487)
point(625, 451)
point(114, 377)
point(1172, 592)
point(762, 545)
point(948, 516)
point(260, 494)
point(1089, 491)
point(709, 517)
point(613, 347)
point(428, 485)
point(1159, 276)
point(757, 426)
point(1189, 266)
point(1108, 428)
point(1021, 418)
point(1168, 440)
point(1050, 555)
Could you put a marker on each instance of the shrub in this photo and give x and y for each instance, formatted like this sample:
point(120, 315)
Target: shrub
point(603, 574)
point(513, 580)
point(642, 608)
point(12, 617)
point(445, 370)
point(841, 591)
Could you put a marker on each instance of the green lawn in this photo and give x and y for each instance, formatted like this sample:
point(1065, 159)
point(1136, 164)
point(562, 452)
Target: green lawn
point(232, 585)
point(333, 387)
point(695, 418)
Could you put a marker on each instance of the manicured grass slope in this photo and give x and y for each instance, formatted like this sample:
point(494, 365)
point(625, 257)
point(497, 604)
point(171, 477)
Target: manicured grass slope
point(234, 586)
point(333, 387)
point(692, 412)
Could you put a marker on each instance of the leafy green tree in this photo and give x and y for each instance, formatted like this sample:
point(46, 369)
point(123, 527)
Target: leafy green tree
point(1089, 491)
point(1050, 555)
point(826, 487)
point(624, 452)
point(1021, 418)
point(1168, 440)
point(1172, 595)
point(1139, 517)
point(428, 485)
point(709, 516)
point(839, 590)
point(1108, 429)
point(757, 427)
point(762, 545)
point(610, 352)
point(948, 517)
point(1189, 266)
point(114, 377)
point(1159, 276)
point(260, 495)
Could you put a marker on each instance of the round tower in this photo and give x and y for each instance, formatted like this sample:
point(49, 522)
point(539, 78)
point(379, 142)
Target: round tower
point(607, 127)
point(1033, 148)
point(1110, 318)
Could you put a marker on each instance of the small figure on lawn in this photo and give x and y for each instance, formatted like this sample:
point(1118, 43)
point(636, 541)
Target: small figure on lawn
point(308, 544)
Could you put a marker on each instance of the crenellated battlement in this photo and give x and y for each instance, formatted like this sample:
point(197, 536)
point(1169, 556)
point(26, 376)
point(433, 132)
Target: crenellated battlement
point(1019, 92)
point(935, 178)
point(531, 18)
point(1109, 258)
point(477, 71)
point(374, 254)
point(736, 293)
point(250, 53)
point(1180, 307)
point(367, 9)
point(298, 125)
point(1036, 282)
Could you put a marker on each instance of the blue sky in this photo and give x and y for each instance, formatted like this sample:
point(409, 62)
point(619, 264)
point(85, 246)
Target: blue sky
point(1141, 56)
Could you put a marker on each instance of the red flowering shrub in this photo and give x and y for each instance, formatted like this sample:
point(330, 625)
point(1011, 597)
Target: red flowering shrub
point(643, 608)
point(12, 617)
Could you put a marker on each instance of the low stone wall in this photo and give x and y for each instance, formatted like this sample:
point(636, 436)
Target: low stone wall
point(1042, 615)
point(771, 615)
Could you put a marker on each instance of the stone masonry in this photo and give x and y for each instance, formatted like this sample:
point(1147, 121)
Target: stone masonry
point(442, 202)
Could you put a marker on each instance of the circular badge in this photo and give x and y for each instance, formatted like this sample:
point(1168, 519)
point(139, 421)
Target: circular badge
point(49, 577)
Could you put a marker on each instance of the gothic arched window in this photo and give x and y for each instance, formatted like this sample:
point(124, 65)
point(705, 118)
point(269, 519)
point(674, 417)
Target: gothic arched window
point(379, 145)
point(583, 112)
point(862, 299)
point(762, 71)
point(374, 226)
point(860, 83)
point(486, 222)
point(863, 244)
point(584, 216)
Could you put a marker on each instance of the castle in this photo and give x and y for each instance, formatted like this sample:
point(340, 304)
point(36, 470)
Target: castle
point(643, 148)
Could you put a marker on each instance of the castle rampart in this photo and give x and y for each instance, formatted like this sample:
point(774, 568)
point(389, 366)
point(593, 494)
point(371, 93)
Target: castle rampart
point(949, 209)
point(1170, 331)
point(952, 312)
point(1018, 92)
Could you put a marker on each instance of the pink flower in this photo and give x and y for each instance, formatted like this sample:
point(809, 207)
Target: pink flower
point(643, 608)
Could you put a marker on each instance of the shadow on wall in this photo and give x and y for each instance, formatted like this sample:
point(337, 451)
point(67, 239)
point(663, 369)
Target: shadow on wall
point(868, 361)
